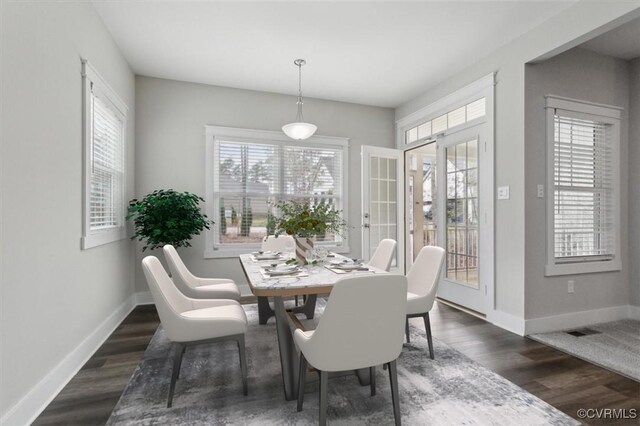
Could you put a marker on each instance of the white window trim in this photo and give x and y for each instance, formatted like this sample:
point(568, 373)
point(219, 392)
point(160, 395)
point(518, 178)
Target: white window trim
point(214, 133)
point(596, 112)
point(90, 238)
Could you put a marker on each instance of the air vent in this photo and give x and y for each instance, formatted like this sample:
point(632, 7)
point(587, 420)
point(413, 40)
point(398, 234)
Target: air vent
point(582, 332)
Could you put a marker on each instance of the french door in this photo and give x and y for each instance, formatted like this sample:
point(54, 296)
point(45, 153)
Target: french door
point(382, 195)
point(448, 203)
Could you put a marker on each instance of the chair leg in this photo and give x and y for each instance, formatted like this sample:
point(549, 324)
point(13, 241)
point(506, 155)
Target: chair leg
point(427, 326)
point(296, 300)
point(324, 382)
point(243, 364)
point(177, 361)
point(184, 348)
point(406, 330)
point(393, 379)
point(302, 378)
point(372, 380)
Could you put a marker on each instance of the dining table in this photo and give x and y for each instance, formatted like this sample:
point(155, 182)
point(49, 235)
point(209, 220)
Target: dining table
point(308, 280)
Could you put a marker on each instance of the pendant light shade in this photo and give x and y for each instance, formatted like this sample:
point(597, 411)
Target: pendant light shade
point(299, 130)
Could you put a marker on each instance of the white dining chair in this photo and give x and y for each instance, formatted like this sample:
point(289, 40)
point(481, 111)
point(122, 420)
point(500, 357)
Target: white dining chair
point(383, 256)
point(349, 338)
point(422, 280)
point(196, 287)
point(188, 321)
point(281, 243)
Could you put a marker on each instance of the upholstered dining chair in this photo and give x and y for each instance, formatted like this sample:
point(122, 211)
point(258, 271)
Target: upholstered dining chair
point(196, 287)
point(422, 280)
point(281, 243)
point(348, 339)
point(383, 256)
point(188, 321)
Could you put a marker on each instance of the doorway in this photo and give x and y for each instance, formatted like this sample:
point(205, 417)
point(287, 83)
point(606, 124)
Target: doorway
point(444, 204)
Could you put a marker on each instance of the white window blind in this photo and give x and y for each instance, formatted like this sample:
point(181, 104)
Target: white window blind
point(584, 225)
point(105, 123)
point(251, 176)
point(106, 209)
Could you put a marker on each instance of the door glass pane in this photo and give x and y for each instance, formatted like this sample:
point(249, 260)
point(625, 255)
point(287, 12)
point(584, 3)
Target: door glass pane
point(429, 195)
point(462, 213)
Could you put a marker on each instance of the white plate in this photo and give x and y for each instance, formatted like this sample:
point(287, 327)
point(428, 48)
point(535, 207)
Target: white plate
point(278, 272)
point(349, 266)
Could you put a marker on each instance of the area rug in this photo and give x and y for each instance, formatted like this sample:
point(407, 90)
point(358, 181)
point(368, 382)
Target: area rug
point(612, 345)
point(451, 390)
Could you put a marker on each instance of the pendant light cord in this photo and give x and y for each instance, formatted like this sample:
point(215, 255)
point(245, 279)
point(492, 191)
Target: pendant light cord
point(299, 117)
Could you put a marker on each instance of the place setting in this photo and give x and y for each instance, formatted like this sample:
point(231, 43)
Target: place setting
point(282, 270)
point(345, 266)
point(259, 256)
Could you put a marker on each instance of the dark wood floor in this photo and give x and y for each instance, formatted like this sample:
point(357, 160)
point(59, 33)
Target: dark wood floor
point(565, 382)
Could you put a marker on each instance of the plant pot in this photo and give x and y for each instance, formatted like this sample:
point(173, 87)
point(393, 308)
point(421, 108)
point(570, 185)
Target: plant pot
point(303, 249)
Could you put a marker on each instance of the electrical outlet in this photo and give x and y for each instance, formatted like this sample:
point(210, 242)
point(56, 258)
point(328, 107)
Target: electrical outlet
point(540, 191)
point(571, 286)
point(503, 193)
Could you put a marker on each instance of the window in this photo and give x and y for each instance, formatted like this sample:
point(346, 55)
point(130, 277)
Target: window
point(454, 118)
point(104, 146)
point(248, 171)
point(583, 174)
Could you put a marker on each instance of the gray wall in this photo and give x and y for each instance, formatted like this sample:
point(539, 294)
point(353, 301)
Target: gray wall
point(558, 34)
point(584, 75)
point(634, 180)
point(54, 295)
point(170, 149)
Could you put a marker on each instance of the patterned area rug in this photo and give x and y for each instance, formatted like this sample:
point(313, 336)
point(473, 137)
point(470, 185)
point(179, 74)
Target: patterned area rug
point(452, 390)
point(613, 345)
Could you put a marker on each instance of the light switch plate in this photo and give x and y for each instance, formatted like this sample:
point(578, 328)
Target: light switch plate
point(503, 193)
point(540, 191)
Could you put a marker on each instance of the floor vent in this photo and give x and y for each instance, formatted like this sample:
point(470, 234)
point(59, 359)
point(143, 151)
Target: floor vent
point(583, 332)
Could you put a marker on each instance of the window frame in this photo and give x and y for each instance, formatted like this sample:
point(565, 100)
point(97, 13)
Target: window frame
point(214, 134)
point(609, 115)
point(93, 82)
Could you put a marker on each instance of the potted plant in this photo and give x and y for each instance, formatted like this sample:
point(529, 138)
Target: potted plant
point(304, 222)
point(167, 217)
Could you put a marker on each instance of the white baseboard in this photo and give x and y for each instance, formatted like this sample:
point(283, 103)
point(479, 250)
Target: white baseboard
point(507, 321)
point(144, 298)
point(634, 312)
point(36, 400)
point(577, 319)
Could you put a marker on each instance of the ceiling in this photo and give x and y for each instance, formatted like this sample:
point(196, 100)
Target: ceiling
point(374, 53)
point(622, 42)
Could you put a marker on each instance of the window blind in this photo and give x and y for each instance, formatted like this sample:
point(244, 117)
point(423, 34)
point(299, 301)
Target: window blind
point(106, 208)
point(583, 190)
point(252, 176)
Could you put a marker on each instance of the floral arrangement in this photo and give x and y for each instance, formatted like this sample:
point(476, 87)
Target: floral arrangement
point(301, 219)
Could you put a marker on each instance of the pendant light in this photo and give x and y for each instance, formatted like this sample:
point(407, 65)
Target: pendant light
point(299, 130)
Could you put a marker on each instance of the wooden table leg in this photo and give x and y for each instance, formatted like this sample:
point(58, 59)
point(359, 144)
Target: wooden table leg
point(264, 310)
point(288, 354)
point(309, 308)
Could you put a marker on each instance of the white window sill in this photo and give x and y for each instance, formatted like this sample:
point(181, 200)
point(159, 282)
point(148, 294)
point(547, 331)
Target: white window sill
point(101, 238)
point(582, 268)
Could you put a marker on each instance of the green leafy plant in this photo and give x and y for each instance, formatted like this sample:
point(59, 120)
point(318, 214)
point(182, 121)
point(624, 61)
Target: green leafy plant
point(301, 219)
point(167, 217)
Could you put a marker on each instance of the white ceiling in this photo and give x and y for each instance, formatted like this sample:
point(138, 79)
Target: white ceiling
point(622, 42)
point(375, 53)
